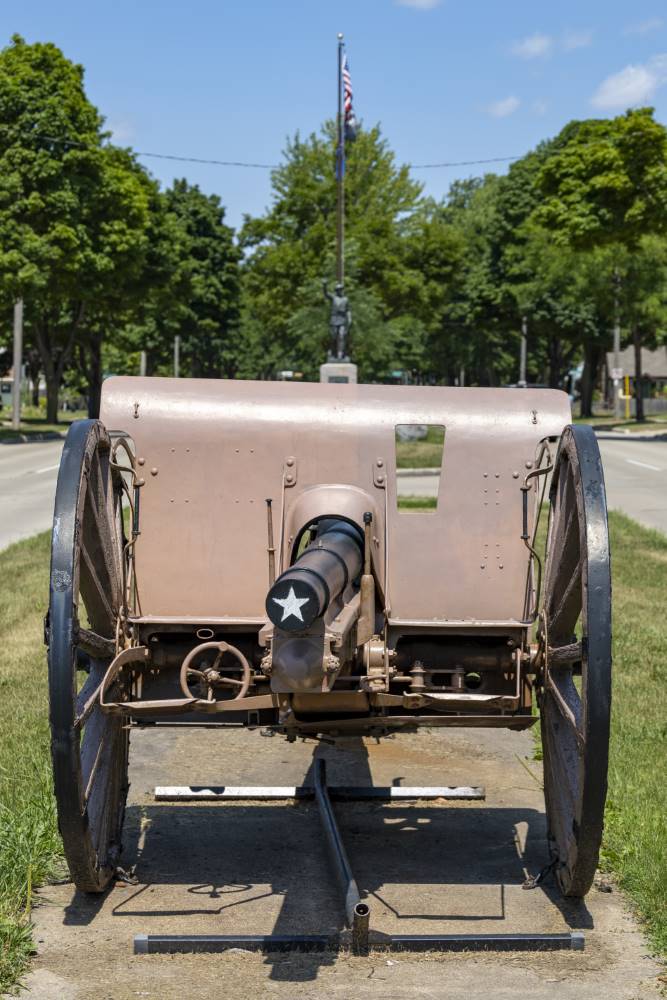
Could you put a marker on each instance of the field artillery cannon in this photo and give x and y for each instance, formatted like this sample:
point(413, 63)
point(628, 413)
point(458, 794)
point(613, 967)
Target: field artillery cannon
point(264, 574)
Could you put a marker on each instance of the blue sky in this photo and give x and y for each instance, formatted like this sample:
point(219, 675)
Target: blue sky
point(448, 81)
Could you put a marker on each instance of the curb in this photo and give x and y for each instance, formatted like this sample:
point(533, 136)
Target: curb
point(418, 472)
point(630, 436)
point(27, 438)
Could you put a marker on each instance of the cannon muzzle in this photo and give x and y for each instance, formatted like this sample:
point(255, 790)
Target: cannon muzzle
point(304, 592)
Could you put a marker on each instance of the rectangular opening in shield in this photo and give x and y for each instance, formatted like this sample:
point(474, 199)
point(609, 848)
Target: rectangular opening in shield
point(419, 452)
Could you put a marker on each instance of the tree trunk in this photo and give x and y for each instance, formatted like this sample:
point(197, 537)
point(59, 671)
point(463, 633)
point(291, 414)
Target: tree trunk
point(639, 375)
point(33, 369)
point(51, 373)
point(52, 390)
point(588, 378)
point(555, 362)
point(54, 360)
point(94, 375)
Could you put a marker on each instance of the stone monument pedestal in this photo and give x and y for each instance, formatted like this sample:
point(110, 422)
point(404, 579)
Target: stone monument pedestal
point(338, 371)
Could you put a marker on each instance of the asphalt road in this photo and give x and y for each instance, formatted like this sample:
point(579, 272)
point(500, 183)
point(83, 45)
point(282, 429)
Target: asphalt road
point(635, 474)
point(636, 479)
point(28, 474)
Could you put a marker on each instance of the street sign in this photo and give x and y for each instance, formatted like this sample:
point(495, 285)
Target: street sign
point(617, 374)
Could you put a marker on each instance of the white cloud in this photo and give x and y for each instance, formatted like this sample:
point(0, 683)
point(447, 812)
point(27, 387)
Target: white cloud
point(533, 46)
point(540, 107)
point(631, 86)
point(645, 27)
point(503, 108)
point(577, 40)
point(419, 4)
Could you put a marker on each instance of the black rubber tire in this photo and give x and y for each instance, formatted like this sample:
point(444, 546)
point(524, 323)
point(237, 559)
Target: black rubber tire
point(90, 826)
point(577, 605)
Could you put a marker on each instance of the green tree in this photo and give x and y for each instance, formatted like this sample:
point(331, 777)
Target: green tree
point(292, 247)
point(482, 330)
point(605, 185)
point(208, 324)
point(73, 212)
point(606, 181)
point(643, 294)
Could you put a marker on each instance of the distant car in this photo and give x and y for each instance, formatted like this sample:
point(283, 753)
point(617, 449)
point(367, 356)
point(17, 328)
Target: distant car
point(6, 387)
point(526, 385)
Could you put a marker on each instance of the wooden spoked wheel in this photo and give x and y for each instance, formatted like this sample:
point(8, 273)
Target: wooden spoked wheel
point(89, 749)
point(575, 672)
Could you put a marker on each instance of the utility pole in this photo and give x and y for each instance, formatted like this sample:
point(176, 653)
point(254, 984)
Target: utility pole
point(524, 348)
point(18, 364)
point(340, 171)
point(142, 363)
point(177, 356)
point(617, 373)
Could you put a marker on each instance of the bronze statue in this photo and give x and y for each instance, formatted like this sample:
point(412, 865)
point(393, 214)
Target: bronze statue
point(340, 321)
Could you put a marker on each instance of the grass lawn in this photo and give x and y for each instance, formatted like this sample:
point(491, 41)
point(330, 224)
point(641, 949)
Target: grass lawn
point(417, 504)
point(424, 454)
point(29, 842)
point(636, 827)
point(636, 819)
point(33, 423)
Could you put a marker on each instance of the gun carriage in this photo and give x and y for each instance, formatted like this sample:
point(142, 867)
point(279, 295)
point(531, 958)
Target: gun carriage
point(264, 574)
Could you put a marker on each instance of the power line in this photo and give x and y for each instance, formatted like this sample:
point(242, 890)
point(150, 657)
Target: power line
point(465, 163)
point(215, 163)
point(75, 144)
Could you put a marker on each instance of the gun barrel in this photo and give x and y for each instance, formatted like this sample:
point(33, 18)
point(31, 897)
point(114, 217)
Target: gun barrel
point(304, 592)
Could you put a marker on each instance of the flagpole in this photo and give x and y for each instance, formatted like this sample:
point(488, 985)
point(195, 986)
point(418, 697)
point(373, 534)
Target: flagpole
point(340, 172)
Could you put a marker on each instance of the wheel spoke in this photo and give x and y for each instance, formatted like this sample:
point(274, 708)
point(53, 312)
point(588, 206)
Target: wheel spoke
point(100, 612)
point(560, 763)
point(567, 711)
point(563, 618)
point(564, 539)
point(97, 753)
point(98, 531)
point(94, 771)
point(95, 645)
point(88, 696)
point(565, 656)
point(561, 796)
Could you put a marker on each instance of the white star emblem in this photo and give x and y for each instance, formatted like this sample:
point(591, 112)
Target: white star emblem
point(291, 605)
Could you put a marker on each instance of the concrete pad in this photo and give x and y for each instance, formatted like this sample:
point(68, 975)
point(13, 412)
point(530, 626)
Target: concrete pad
point(425, 867)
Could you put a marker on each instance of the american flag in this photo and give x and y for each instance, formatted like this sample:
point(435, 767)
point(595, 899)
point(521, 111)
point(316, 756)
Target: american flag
point(349, 118)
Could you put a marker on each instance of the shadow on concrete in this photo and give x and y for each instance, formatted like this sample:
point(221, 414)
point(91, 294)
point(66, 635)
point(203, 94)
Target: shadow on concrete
point(227, 855)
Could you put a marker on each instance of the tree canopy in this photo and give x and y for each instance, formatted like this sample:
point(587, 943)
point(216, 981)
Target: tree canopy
point(110, 265)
